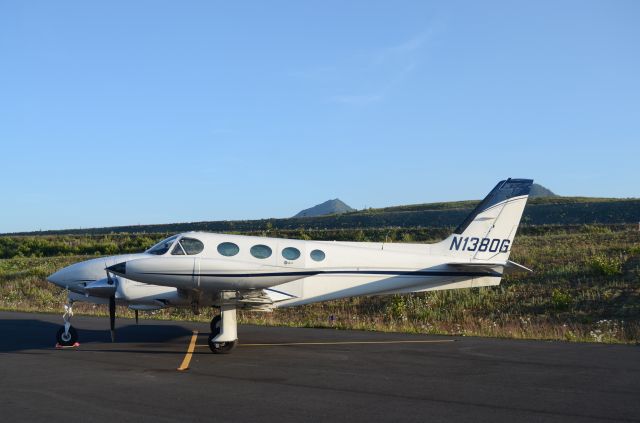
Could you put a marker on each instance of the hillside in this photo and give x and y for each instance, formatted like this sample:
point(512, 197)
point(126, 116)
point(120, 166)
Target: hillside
point(539, 211)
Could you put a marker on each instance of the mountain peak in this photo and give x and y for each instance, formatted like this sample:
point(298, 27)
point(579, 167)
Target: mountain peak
point(335, 206)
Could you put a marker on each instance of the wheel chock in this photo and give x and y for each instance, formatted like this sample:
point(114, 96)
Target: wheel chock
point(63, 347)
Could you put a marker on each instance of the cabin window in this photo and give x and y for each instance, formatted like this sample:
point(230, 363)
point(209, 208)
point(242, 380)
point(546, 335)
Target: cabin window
point(228, 249)
point(260, 251)
point(317, 255)
point(291, 253)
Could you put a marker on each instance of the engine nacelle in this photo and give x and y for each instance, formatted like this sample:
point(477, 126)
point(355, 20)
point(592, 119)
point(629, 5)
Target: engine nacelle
point(103, 288)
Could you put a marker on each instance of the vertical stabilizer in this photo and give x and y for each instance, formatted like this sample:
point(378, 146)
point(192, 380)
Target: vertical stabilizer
point(488, 232)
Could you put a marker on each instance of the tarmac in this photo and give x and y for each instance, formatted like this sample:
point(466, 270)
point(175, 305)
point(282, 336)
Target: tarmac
point(164, 371)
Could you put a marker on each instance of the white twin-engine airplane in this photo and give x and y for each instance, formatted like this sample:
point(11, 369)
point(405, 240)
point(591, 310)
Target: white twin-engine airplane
point(233, 272)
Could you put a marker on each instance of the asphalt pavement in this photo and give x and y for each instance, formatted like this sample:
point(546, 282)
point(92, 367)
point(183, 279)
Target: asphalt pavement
point(292, 375)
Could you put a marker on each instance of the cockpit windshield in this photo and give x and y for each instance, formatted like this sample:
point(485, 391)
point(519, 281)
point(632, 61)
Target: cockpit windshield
point(162, 247)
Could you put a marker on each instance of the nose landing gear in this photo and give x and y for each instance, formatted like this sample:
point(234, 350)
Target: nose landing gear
point(67, 336)
point(224, 330)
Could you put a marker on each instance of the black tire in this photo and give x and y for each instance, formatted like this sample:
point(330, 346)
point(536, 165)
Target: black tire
point(221, 347)
point(70, 339)
point(215, 324)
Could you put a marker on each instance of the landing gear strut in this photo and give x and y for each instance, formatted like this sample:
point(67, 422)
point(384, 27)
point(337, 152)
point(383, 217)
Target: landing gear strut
point(224, 330)
point(67, 336)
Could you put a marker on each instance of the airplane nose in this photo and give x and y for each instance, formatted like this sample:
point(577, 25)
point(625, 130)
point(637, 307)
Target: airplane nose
point(57, 278)
point(118, 269)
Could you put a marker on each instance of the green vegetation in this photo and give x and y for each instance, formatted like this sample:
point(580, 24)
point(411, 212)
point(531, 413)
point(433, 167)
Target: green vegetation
point(586, 285)
point(50, 246)
point(606, 266)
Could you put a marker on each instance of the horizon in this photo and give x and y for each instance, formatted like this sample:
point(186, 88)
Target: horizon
point(143, 113)
point(356, 210)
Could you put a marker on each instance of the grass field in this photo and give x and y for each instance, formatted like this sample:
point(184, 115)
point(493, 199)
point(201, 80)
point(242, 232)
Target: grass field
point(586, 286)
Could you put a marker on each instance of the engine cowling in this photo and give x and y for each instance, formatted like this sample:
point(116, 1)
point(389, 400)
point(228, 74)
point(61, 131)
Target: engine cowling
point(103, 288)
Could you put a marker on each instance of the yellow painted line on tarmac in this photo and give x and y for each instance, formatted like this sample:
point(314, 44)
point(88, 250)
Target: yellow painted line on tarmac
point(439, 341)
point(187, 358)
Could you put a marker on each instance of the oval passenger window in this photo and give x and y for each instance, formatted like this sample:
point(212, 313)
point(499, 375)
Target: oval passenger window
point(228, 249)
point(260, 251)
point(291, 253)
point(317, 255)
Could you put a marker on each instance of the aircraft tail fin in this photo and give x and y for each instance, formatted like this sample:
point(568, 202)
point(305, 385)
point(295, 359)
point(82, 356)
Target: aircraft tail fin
point(488, 232)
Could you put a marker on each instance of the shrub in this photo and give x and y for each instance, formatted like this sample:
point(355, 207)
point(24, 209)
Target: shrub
point(397, 309)
point(561, 300)
point(607, 266)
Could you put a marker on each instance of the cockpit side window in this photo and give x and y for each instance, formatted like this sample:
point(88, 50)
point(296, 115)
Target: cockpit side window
point(188, 246)
point(192, 246)
point(162, 247)
point(178, 250)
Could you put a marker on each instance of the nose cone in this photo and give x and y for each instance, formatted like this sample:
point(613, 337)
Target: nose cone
point(119, 268)
point(79, 273)
point(58, 278)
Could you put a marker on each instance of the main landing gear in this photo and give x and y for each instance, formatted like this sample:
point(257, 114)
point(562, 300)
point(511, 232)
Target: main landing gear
point(224, 330)
point(67, 336)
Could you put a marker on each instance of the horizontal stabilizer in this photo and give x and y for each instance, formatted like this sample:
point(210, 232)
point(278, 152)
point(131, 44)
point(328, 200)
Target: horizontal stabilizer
point(513, 267)
point(509, 266)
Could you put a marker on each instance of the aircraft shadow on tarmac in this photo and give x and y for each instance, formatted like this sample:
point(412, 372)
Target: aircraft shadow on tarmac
point(32, 334)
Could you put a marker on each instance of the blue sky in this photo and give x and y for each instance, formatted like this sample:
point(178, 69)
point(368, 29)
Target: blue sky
point(121, 112)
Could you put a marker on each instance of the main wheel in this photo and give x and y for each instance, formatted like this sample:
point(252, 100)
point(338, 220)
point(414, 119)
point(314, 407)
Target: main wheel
point(221, 347)
point(67, 339)
point(215, 324)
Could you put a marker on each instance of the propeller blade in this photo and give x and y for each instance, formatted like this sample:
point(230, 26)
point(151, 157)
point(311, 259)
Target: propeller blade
point(136, 316)
point(112, 317)
point(112, 309)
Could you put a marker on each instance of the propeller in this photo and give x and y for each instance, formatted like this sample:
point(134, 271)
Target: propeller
point(112, 309)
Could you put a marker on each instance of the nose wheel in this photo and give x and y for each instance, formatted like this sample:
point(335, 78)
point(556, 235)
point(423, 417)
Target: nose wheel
point(67, 336)
point(224, 331)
